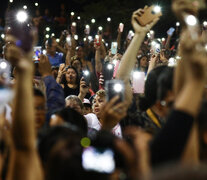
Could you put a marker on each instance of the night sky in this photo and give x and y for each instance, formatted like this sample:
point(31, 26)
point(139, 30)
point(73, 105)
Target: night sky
point(118, 10)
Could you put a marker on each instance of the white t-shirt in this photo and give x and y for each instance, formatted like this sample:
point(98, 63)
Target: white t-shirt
point(93, 122)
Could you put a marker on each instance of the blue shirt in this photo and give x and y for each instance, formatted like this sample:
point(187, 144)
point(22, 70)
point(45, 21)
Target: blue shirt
point(57, 59)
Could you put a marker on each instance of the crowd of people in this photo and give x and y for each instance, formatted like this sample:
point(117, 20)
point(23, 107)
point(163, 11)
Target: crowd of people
point(82, 109)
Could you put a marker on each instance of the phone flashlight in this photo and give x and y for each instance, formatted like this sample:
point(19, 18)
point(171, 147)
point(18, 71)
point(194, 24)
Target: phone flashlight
point(177, 24)
point(76, 37)
point(73, 23)
point(47, 36)
point(157, 9)
point(90, 38)
point(205, 23)
point(108, 19)
point(110, 66)
point(191, 20)
point(2, 36)
point(93, 21)
point(78, 17)
point(72, 13)
point(47, 29)
point(58, 40)
point(21, 16)
point(100, 28)
point(172, 62)
point(68, 40)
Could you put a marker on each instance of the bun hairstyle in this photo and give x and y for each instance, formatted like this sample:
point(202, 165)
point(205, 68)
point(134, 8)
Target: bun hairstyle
point(150, 91)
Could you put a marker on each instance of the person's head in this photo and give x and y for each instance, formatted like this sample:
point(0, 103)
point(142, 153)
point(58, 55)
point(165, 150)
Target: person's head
point(71, 116)
point(98, 102)
point(76, 63)
point(87, 107)
point(71, 76)
point(75, 103)
point(40, 108)
point(51, 46)
point(143, 62)
point(154, 96)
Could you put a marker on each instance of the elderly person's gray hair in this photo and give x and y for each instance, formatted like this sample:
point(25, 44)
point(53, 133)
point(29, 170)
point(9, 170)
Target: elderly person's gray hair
point(74, 98)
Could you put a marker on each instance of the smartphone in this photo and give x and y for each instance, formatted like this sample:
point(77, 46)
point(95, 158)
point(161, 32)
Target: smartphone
point(18, 25)
point(138, 82)
point(87, 30)
point(98, 160)
point(113, 88)
point(121, 27)
point(170, 31)
point(130, 35)
point(68, 40)
point(108, 71)
point(98, 40)
point(37, 52)
point(114, 47)
point(87, 77)
point(149, 15)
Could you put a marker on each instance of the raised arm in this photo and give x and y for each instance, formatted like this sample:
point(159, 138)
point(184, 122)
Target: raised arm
point(24, 162)
point(129, 58)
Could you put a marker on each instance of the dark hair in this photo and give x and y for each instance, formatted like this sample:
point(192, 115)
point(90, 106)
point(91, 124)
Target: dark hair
point(139, 60)
point(64, 81)
point(150, 91)
point(165, 82)
point(38, 92)
point(73, 117)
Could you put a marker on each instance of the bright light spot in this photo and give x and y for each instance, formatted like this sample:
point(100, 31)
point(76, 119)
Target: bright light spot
point(171, 62)
point(24, 7)
point(157, 46)
point(74, 24)
point(157, 9)
point(93, 21)
point(106, 44)
point(9, 28)
point(191, 20)
point(85, 142)
point(47, 36)
point(84, 39)
point(109, 66)
point(47, 29)
point(68, 39)
point(205, 23)
point(152, 32)
point(21, 16)
point(108, 19)
point(103, 40)
point(53, 34)
point(90, 38)
point(72, 13)
point(2, 36)
point(148, 35)
point(86, 73)
point(76, 37)
point(163, 39)
point(114, 62)
point(58, 40)
point(11, 1)
point(178, 57)
point(177, 24)
point(97, 36)
point(44, 52)
point(87, 26)
point(118, 87)
point(100, 28)
point(206, 47)
point(36, 4)
point(78, 18)
point(153, 43)
point(136, 75)
point(3, 65)
point(159, 39)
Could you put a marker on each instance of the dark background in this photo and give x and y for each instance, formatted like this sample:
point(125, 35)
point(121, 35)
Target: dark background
point(118, 10)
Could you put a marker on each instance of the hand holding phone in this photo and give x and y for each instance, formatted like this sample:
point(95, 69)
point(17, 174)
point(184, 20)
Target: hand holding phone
point(98, 40)
point(138, 82)
point(121, 27)
point(170, 31)
point(87, 77)
point(150, 13)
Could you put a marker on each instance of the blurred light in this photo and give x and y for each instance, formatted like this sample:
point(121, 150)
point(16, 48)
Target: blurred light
point(100, 28)
point(53, 34)
point(58, 40)
point(47, 29)
point(97, 36)
point(106, 44)
point(47, 36)
point(93, 21)
point(11, 1)
point(163, 39)
point(205, 23)
point(177, 24)
point(87, 26)
point(108, 19)
point(24, 7)
point(153, 43)
point(86, 72)
point(109, 66)
point(191, 20)
point(103, 40)
point(2, 36)
point(21, 16)
point(76, 37)
point(114, 62)
point(172, 62)
point(178, 57)
point(72, 13)
point(90, 38)
point(152, 32)
point(44, 52)
point(78, 18)
point(206, 47)
point(118, 87)
point(157, 9)
point(136, 74)
point(68, 39)
point(148, 35)
point(85, 142)
point(36, 4)
point(157, 46)
point(84, 39)
point(3, 65)
point(159, 39)
point(73, 23)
